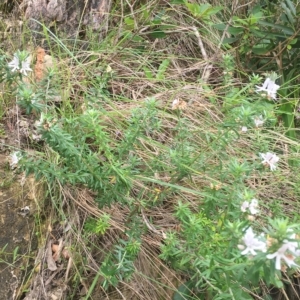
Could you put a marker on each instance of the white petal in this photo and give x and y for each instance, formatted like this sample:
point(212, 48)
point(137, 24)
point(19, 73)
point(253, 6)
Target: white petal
point(14, 159)
point(253, 210)
point(14, 64)
point(252, 252)
point(244, 206)
point(259, 121)
point(270, 87)
point(274, 159)
point(254, 202)
point(266, 83)
point(277, 263)
point(245, 251)
point(271, 256)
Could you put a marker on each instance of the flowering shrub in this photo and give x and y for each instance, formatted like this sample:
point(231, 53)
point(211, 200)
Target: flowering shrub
point(216, 245)
point(286, 253)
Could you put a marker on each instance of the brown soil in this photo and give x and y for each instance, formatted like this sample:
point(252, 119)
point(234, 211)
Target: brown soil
point(17, 239)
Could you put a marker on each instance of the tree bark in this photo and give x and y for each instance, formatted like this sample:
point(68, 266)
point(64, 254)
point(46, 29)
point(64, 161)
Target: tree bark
point(67, 16)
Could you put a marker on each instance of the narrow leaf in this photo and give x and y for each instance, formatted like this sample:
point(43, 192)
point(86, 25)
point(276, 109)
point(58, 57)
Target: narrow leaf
point(148, 72)
point(162, 69)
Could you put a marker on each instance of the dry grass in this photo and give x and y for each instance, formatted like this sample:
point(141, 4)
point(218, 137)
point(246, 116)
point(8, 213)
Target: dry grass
point(152, 278)
point(194, 67)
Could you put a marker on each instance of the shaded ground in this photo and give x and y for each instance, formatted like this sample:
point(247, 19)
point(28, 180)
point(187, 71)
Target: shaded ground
point(17, 239)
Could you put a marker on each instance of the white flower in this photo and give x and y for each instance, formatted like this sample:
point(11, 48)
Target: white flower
point(270, 159)
point(252, 206)
point(244, 129)
point(14, 64)
point(26, 66)
point(288, 251)
point(244, 206)
point(14, 159)
point(258, 121)
point(281, 254)
point(270, 87)
point(292, 245)
point(252, 243)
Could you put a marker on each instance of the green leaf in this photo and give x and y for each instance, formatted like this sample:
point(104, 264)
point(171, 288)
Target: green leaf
point(157, 34)
point(235, 30)
point(196, 9)
point(285, 29)
point(278, 284)
point(291, 6)
point(145, 12)
point(238, 293)
point(137, 38)
point(260, 50)
point(230, 40)
point(288, 13)
point(167, 27)
point(231, 29)
point(214, 10)
point(254, 18)
point(148, 72)
point(202, 10)
point(129, 22)
point(177, 2)
point(184, 291)
point(268, 35)
point(240, 21)
point(221, 26)
point(162, 69)
point(15, 254)
point(288, 120)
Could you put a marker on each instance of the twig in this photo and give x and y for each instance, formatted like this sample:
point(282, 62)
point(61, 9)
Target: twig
point(151, 227)
point(208, 67)
point(200, 43)
point(68, 269)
